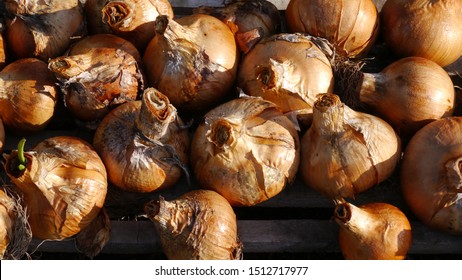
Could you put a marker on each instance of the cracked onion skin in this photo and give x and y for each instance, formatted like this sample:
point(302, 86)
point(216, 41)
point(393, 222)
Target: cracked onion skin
point(346, 152)
point(373, 231)
point(64, 185)
point(245, 149)
point(144, 144)
point(431, 175)
point(199, 225)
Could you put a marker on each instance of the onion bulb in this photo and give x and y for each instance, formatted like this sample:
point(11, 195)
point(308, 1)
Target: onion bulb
point(408, 94)
point(2, 47)
point(199, 225)
point(424, 28)
point(133, 20)
point(350, 26)
point(28, 95)
point(42, 29)
point(96, 78)
point(245, 149)
point(289, 70)
point(144, 144)
point(250, 21)
point(193, 61)
point(346, 152)
point(373, 231)
point(431, 174)
point(63, 182)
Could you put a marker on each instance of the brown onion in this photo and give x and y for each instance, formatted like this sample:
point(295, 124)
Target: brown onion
point(199, 225)
point(408, 94)
point(2, 47)
point(42, 29)
point(193, 61)
point(289, 70)
point(246, 150)
point(346, 152)
point(250, 21)
point(97, 77)
point(431, 174)
point(144, 144)
point(424, 28)
point(351, 26)
point(63, 182)
point(373, 231)
point(28, 95)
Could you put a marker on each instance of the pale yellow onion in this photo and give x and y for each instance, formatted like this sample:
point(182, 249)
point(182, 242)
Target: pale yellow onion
point(199, 225)
point(346, 152)
point(424, 28)
point(193, 61)
point(245, 149)
point(64, 185)
point(351, 26)
point(144, 144)
point(373, 231)
point(28, 95)
point(289, 70)
point(431, 176)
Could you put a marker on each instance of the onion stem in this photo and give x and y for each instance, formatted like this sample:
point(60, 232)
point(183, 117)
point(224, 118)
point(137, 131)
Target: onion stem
point(21, 157)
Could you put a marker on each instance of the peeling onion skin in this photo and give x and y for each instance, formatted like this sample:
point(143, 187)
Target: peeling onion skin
point(373, 231)
point(250, 21)
point(246, 150)
point(351, 26)
point(193, 61)
point(95, 79)
point(431, 176)
point(64, 186)
point(144, 144)
point(42, 29)
point(346, 152)
point(424, 28)
point(199, 225)
point(289, 70)
point(28, 96)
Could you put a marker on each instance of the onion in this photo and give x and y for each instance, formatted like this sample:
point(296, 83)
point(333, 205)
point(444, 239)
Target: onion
point(96, 77)
point(192, 61)
point(42, 29)
point(373, 231)
point(144, 144)
point(351, 26)
point(246, 150)
point(63, 182)
point(2, 136)
point(431, 176)
point(28, 95)
point(346, 152)
point(133, 20)
point(289, 70)
point(424, 28)
point(199, 225)
point(2, 47)
point(408, 94)
point(250, 21)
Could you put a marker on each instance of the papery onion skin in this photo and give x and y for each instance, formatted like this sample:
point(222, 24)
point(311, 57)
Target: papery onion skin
point(95, 79)
point(289, 70)
point(64, 186)
point(250, 21)
point(373, 231)
point(42, 29)
point(144, 144)
point(409, 93)
point(7, 220)
point(351, 26)
point(193, 61)
point(28, 96)
point(346, 152)
point(424, 28)
point(199, 225)
point(246, 150)
point(431, 176)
